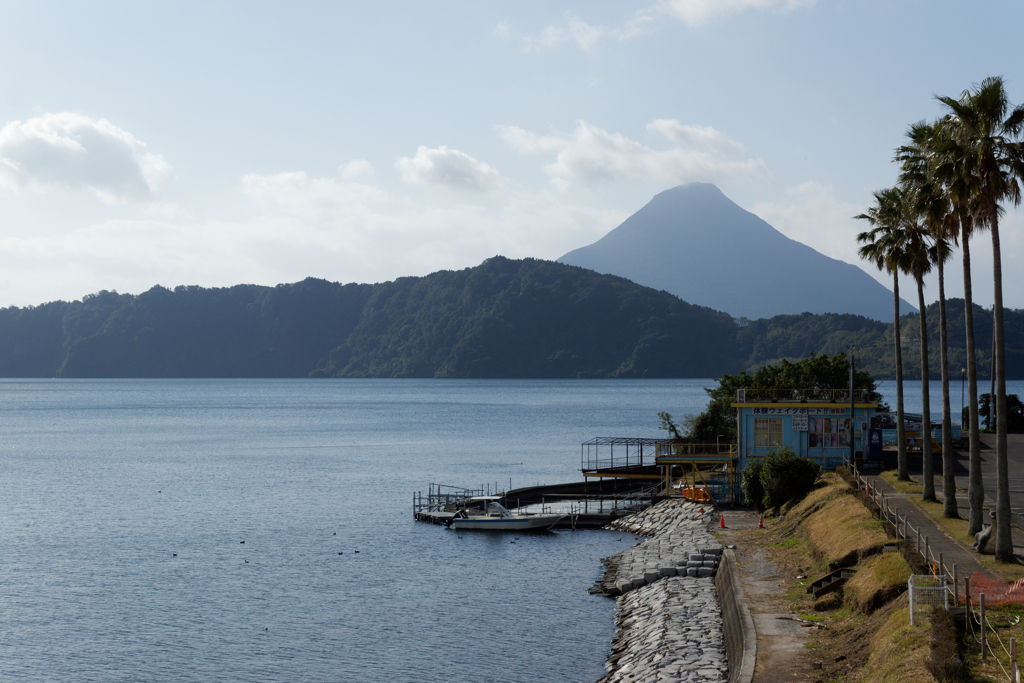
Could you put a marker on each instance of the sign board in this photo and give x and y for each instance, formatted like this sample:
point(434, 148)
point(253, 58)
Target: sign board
point(800, 421)
point(741, 395)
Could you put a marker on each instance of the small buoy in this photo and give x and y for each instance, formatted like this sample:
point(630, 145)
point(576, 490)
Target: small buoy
point(247, 561)
point(341, 553)
point(159, 491)
point(335, 533)
point(357, 551)
point(242, 542)
point(174, 555)
point(266, 629)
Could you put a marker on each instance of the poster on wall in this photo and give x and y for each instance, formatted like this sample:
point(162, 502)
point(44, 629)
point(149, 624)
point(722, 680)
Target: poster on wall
point(800, 421)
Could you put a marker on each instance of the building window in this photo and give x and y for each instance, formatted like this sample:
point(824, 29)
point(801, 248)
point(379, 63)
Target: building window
point(767, 432)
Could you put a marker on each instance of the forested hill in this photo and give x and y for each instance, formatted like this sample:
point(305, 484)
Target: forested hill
point(502, 319)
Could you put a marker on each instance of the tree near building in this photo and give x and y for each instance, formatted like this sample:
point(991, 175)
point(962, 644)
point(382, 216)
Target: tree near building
point(817, 373)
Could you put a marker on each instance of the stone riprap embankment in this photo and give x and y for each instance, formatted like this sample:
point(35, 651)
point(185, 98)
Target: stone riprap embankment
point(680, 545)
point(670, 630)
point(667, 611)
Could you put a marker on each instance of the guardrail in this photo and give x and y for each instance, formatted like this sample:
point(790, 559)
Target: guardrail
point(804, 395)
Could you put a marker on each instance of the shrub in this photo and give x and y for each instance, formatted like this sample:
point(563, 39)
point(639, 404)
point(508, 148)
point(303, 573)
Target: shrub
point(750, 484)
point(785, 477)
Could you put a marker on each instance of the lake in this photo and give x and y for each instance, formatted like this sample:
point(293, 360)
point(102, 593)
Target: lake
point(261, 530)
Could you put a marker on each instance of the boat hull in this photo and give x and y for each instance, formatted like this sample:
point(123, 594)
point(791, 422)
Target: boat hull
point(524, 523)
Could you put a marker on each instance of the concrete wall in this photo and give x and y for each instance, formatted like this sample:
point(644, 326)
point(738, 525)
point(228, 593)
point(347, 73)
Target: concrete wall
point(737, 624)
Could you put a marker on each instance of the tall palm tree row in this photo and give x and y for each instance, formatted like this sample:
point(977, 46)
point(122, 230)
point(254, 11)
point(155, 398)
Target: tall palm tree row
point(985, 128)
point(927, 195)
point(955, 171)
point(883, 246)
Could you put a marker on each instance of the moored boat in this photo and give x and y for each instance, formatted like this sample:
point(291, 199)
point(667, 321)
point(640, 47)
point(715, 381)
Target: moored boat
point(486, 513)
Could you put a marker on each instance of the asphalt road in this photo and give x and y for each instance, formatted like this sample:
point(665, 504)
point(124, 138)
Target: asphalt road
point(1015, 453)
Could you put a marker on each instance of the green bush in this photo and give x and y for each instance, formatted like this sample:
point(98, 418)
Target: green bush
point(750, 484)
point(785, 477)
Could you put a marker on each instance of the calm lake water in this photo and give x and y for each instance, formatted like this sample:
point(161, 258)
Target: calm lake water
point(192, 530)
point(912, 395)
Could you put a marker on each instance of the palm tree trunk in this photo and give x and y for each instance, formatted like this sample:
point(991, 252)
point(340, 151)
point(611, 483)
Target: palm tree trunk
point(902, 471)
point(992, 377)
point(948, 481)
point(975, 487)
point(928, 465)
point(1004, 540)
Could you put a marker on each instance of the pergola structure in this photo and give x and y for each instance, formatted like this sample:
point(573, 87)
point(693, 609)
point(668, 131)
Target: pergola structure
point(679, 465)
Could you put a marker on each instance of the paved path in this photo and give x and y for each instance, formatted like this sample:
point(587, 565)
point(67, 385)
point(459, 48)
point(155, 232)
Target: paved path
point(781, 638)
point(1015, 456)
point(933, 540)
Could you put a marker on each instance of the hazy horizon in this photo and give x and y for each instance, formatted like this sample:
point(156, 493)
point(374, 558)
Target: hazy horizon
point(214, 145)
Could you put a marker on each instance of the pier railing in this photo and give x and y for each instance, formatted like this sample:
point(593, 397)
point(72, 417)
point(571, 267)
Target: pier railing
point(803, 396)
point(441, 496)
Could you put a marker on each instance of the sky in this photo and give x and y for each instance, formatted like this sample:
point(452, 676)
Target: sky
point(220, 143)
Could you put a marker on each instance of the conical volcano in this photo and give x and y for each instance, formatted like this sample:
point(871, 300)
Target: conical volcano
point(696, 243)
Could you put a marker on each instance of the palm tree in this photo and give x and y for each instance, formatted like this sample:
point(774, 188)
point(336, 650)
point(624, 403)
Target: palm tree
point(929, 199)
point(986, 127)
point(954, 168)
point(883, 246)
point(920, 252)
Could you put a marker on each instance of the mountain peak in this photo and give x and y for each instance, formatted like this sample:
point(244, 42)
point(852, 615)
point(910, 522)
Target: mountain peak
point(693, 241)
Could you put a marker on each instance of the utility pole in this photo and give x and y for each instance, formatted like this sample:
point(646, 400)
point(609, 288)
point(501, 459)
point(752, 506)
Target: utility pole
point(852, 361)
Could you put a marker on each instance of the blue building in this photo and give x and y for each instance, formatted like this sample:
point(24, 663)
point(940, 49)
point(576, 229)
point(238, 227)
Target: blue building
point(817, 427)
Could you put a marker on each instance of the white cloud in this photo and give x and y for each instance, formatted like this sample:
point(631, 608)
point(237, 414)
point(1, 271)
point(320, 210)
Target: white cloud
point(71, 151)
point(592, 156)
point(356, 168)
point(501, 30)
point(312, 199)
point(696, 13)
point(304, 226)
point(449, 168)
point(810, 213)
point(583, 35)
point(703, 136)
point(530, 143)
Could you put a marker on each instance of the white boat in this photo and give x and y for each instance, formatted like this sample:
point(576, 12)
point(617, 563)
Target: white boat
point(486, 513)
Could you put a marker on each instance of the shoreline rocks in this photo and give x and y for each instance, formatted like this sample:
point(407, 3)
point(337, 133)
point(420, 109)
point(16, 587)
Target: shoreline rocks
point(667, 611)
point(680, 544)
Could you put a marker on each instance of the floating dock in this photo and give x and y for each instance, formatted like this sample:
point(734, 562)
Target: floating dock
point(587, 505)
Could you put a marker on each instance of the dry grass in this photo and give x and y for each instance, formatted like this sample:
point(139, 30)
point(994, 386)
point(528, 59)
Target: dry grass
point(899, 650)
point(879, 579)
point(843, 531)
point(827, 488)
point(1001, 622)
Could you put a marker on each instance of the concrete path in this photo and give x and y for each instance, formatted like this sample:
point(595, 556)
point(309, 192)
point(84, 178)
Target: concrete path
point(781, 637)
point(925, 533)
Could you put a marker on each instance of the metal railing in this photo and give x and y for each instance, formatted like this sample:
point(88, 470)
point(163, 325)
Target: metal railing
point(804, 396)
point(944, 579)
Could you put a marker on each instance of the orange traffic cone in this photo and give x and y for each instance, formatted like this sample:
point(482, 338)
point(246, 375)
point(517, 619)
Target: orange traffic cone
point(722, 525)
point(760, 522)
